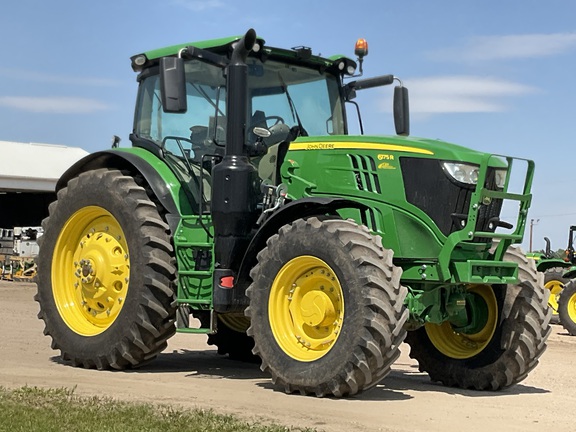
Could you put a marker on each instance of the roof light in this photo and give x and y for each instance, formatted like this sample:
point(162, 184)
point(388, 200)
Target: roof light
point(140, 60)
point(342, 65)
point(361, 48)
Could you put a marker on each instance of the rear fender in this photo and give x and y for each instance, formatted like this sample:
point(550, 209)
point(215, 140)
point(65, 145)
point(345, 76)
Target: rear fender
point(157, 174)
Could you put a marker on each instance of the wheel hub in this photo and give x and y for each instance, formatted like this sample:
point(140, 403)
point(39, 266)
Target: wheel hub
point(86, 268)
point(101, 250)
point(86, 271)
point(317, 309)
point(306, 308)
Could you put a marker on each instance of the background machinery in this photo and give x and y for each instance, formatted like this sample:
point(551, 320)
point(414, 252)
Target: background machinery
point(244, 202)
point(18, 250)
point(558, 280)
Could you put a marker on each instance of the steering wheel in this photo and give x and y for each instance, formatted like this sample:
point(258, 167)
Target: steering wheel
point(264, 121)
point(274, 117)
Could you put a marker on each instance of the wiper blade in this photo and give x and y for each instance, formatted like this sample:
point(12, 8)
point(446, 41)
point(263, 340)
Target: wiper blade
point(292, 107)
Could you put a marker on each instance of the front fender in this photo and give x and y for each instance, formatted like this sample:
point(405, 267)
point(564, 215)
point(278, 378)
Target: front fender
point(546, 264)
point(298, 209)
point(570, 273)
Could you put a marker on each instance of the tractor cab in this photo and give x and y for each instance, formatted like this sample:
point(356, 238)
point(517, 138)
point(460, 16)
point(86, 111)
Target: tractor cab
point(183, 100)
point(285, 100)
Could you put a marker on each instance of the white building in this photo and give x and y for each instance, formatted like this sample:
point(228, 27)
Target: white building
point(28, 176)
point(34, 167)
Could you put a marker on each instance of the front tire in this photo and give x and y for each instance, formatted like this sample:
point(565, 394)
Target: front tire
point(567, 307)
point(504, 350)
point(106, 273)
point(326, 308)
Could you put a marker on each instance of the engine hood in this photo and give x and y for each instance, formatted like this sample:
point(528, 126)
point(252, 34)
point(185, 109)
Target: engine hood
point(429, 148)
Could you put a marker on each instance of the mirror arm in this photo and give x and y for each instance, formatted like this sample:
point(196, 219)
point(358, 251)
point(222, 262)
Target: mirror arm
point(191, 52)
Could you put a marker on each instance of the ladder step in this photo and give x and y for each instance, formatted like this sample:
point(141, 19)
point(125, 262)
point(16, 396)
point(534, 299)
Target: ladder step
point(193, 301)
point(193, 330)
point(198, 245)
point(194, 273)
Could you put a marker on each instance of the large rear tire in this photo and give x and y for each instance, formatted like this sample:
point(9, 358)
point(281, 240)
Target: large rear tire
point(567, 307)
point(504, 350)
point(106, 273)
point(326, 308)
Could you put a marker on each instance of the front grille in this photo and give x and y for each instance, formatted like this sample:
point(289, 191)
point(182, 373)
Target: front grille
point(444, 200)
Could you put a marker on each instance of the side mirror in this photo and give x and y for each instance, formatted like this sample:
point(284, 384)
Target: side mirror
point(173, 85)
point(401, 111)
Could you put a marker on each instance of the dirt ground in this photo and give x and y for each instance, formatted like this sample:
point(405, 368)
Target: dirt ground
point(191, 374)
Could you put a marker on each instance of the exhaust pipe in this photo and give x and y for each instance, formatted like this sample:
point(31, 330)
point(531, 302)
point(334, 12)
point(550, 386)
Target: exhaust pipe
point(235, 189)
point(237, 95)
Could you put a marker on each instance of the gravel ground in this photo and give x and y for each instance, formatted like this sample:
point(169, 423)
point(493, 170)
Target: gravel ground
point(191, 374)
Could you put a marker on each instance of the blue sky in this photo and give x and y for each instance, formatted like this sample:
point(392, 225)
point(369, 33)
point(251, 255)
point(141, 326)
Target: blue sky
point(497, 76)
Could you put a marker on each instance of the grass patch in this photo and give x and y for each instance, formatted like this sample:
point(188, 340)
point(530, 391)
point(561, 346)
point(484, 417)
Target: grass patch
point(34, 409)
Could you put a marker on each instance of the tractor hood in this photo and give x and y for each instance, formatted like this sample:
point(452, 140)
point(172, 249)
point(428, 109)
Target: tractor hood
point(427, 148)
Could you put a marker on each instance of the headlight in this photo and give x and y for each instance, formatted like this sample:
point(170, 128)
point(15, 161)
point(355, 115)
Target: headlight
point(500, 177)
point(461, 172)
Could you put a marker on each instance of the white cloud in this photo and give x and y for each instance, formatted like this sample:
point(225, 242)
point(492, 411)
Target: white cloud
point(59, 79)
point(199, 5)
point(461, 94)
point(510, 47)
point(53, 105)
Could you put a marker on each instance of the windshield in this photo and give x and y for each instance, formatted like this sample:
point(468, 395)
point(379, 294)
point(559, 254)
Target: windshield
point(278, 93)
point(294, 94)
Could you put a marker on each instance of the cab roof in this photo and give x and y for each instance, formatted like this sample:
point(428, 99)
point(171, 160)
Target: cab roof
point(298, 55)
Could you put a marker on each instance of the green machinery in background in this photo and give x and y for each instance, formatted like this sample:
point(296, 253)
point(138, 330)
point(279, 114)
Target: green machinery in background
point(559, 277)
point(245, 203)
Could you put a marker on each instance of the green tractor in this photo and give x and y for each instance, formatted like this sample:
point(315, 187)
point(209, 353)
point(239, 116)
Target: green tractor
point(559, 277)
point(245, 207)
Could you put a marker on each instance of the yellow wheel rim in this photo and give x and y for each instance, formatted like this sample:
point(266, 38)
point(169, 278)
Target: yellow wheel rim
point(90, 271)
point(572, 308)
point(555, 287)
point(462, 345)
point(306, 308)
point(235, 322)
